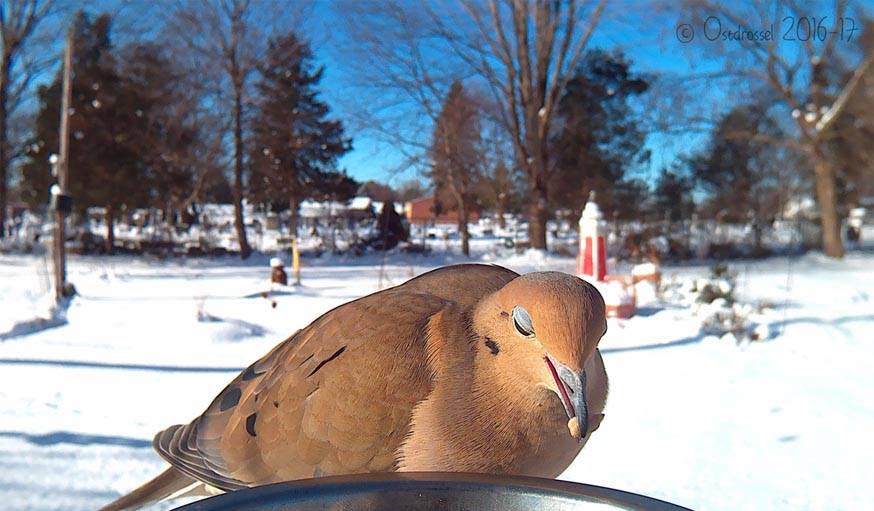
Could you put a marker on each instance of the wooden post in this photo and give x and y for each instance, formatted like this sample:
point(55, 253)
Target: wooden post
point(295, 260)
point(60, 256)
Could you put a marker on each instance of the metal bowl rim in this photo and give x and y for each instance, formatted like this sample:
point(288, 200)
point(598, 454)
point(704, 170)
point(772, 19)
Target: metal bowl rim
point(304, 489)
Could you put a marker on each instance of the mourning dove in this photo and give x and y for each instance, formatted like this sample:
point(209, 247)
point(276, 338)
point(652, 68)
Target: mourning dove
point(468, 368)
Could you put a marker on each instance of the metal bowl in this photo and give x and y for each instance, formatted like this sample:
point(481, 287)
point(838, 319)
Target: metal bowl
point(429, 490)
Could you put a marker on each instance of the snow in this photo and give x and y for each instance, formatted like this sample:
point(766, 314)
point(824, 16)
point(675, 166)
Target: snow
point(644, 269)
point(360, 203)
point(708, 423)
point(321, 209)
point(614, 293)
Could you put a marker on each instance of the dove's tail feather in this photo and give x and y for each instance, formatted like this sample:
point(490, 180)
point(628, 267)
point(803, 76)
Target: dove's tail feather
point(169, 484)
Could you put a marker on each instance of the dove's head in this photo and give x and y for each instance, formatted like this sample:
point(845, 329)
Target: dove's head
point(545, 327)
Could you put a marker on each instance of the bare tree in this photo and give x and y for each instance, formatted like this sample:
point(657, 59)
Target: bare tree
point(410, 189)
point(399, 74)
point(19, 23)
point(854, 130)
point(522, 51)
point(496, 189)
point(224, 40)
point(220, 32)
point(526, 52)
point(180, 143)
point(796, 71)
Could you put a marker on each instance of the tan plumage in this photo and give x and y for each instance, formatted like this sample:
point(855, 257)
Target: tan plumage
point(429, 375)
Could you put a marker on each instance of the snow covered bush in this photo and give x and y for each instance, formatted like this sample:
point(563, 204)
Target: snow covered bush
point(720, 285)
point(713, 301)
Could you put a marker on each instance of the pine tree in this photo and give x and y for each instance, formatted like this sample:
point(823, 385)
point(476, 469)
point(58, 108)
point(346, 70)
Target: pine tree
point(672, 195)
point(741, 175)
point(456, 156)
point(598, 137)
point(295, 145)
point(105, 130)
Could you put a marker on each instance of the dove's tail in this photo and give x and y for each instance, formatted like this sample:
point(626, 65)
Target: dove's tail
point(169, 484)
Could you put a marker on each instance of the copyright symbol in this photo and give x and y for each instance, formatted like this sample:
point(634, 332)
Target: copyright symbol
point(685, 32)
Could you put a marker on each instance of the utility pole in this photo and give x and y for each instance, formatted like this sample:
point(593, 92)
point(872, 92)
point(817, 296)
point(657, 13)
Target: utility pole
point(61, 199)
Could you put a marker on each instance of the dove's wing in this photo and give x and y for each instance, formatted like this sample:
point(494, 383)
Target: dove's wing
point(464, 284)
point(335, 398)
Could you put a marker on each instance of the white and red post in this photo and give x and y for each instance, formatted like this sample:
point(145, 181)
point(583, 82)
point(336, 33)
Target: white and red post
point(592, 258)
point(617, 290)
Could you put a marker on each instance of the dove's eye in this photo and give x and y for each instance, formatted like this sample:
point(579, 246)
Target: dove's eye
point(522, 321)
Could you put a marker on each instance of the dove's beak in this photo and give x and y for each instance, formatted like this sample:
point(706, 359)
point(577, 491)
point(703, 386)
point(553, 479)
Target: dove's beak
point(572, 390)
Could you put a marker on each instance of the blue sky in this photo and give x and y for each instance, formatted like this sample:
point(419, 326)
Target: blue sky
point(649, 40)
point(648, 37)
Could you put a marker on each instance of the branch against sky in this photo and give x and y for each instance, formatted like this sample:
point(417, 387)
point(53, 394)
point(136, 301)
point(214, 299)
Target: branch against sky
point(799, 73)
point(522, 53)
point(396, 73)
point(25, 43)
point(222, 42)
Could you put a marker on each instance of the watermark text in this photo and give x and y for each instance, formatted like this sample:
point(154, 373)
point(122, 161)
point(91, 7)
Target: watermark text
point(790, 28)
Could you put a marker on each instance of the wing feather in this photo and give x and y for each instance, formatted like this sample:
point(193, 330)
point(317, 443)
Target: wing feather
point(336, 397)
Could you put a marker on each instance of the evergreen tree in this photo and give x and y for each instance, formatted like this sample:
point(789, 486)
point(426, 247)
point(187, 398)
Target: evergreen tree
point(598, 136)
point(295, 146)
point(739, 173)
point(673, 195)
point(390, 229)
point(105, 130)
point(456, 156)
point(335, 185)
point(630, 199)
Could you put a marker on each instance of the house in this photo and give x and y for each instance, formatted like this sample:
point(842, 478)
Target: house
point(314, 214)
point(360, 208)
point(421, 212)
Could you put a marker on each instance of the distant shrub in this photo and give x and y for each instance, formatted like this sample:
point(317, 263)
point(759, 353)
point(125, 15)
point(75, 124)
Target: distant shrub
point(720, 285)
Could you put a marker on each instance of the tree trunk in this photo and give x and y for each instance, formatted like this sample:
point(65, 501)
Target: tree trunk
point(169, 215)
point(293, 215)
point(110, 230)
point(4, 139)
point(463, 228)
point(502, 223)
point(239, 223)
point(757, 237)
point(830, 222)
point(537, 197)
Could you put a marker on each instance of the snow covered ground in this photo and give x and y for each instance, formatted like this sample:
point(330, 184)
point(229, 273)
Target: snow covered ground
point(784, 423)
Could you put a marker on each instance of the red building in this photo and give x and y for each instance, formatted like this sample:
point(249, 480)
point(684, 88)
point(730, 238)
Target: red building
point(421, 212)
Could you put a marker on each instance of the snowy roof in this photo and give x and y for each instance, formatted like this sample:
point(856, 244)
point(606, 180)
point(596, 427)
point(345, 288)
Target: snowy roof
point(803, 207)
point(217, 209)
point(399, 208)
point(360, 203)
point(318, 209)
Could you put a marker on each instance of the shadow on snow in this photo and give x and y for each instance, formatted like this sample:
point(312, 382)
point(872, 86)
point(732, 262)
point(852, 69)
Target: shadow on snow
point(108, 365)
point(66, 437)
